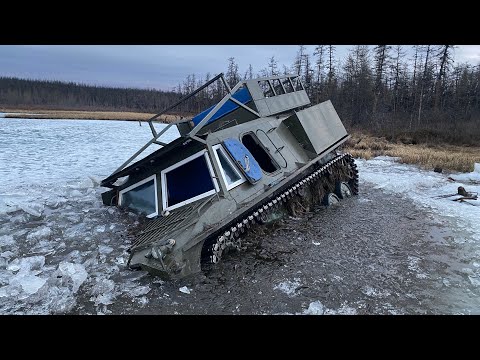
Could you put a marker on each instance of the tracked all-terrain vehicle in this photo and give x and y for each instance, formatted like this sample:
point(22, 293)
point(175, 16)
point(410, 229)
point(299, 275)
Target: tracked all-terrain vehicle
point(261, 151)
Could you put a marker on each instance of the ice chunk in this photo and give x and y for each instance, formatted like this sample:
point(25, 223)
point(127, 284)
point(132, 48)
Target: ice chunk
point(95, 180)
point(3, 263)
point(10, 291)
point(76, 272)
point(13, 267)
point(103, 286)
point(343, 310)
point(75, 193)
point(185, 290)
point(120, 260)
point(103, 249)
point(26, 265)
point(143, 301)
point(370, 291)
point(32, 208)
point(58, 299)
point(6, 240)
point(475, 280)
point(105, 299)
point(142, 290)
point(44, 231)
point(30, 283)
point(315, 308)
point(103, 291)
point(316, 243)
point(7, 254)
point(288, 287)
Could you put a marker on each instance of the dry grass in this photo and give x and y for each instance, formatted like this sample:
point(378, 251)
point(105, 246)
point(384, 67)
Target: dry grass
point(85, 115)
point(446, 157)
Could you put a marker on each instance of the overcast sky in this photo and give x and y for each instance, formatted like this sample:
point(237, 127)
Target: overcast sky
point(152, 66)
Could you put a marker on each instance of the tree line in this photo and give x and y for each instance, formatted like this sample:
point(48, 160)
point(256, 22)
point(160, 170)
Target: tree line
point(417, 92)
point(42, 94)
point(386, 89)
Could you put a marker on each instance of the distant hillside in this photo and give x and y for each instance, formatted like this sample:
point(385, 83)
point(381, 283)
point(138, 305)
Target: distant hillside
point(40, 94)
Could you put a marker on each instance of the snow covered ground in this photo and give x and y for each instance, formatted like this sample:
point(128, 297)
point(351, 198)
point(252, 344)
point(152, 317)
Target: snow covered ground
point(59, 244)
point(424, 187)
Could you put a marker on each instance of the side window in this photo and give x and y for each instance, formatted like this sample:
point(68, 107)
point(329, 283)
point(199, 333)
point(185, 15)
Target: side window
point(187, 181)
point(266, 88)
point(231, 175)
point(287, 85)
point(251, 142)
point(278, 87)
point(141, 196)
point(297, 84)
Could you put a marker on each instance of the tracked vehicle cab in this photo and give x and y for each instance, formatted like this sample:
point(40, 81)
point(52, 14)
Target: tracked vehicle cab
point(232, 165)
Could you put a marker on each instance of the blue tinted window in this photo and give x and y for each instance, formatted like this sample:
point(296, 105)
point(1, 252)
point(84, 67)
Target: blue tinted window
point(188, 180)
point(141, 198)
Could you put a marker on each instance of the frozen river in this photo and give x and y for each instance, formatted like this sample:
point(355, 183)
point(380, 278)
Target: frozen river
point(62, 251)
point(54, 230)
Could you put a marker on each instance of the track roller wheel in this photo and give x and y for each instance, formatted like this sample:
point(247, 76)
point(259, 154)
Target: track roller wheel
point(342, 190)
point(330, 199)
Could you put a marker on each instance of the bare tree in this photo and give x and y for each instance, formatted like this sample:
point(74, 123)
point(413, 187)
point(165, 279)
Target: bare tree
point(381, 59)
point(423, 81)
point(298, 65)
point(445, 59)
point(272, 65)
point(396, 69)
point(232, 75)
point(331, 66)
point(249, 73)
point(308, 77)
point(320, 63)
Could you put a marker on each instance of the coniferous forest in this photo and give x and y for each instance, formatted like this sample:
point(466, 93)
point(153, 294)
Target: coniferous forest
point(388, 90)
